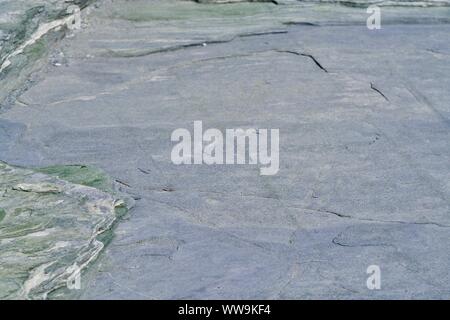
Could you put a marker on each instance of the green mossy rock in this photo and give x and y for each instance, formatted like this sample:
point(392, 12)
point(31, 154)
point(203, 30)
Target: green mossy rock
point(52, 221)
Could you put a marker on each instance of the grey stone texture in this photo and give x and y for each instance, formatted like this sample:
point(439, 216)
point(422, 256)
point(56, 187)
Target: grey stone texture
point(364, 119)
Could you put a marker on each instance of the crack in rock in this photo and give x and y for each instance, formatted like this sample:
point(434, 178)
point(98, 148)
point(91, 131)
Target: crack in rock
point(305, 55)
point(340, 243)
point(300, 23)
point(346, 216)
point(145, 52)
point(372, 86)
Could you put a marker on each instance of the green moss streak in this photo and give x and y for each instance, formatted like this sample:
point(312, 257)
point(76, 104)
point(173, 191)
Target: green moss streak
point(78, 174)
point(2, 214)
point(189, 11)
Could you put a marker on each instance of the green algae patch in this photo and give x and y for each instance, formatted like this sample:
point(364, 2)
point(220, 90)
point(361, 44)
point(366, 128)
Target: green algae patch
point(2, 214)
point(80, 174)
point(51, 226)
point(37, 50)
point(188, 11)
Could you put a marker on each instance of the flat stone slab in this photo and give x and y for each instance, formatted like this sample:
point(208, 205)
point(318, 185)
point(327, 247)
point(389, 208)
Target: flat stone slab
point(364, 151)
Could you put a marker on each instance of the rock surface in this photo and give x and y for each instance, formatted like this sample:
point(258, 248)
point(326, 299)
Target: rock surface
point(50, 229)
point(24, 25)
point(364, 119)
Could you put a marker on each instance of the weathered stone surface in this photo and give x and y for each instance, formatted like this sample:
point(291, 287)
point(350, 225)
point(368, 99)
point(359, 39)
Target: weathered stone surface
point(364, 150)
